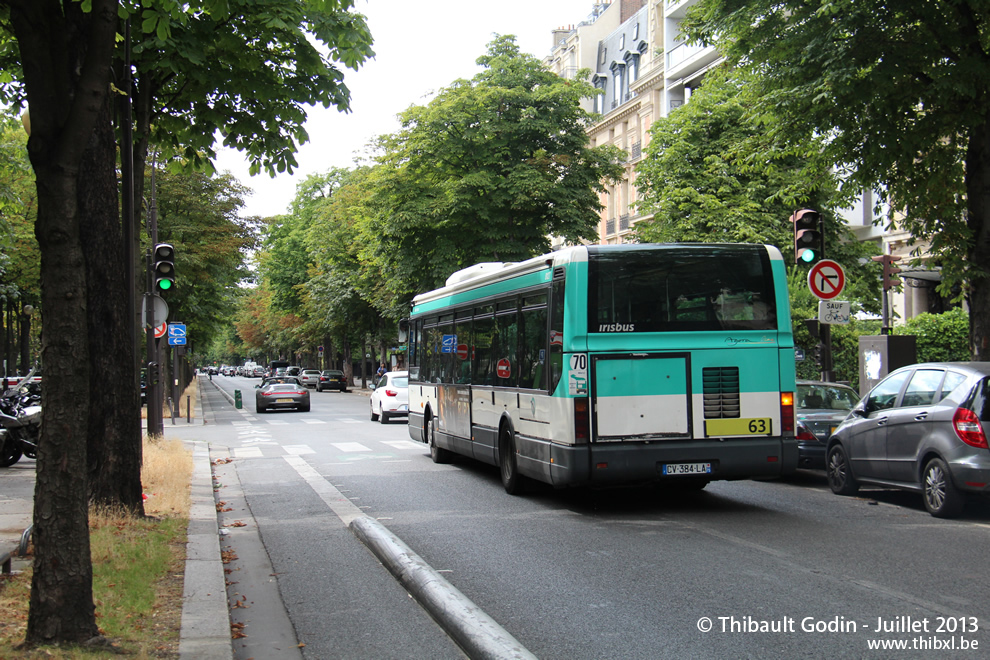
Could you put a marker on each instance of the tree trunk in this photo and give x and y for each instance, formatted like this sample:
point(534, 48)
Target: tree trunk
point(65, 55)
point(114, 440)
point(978, 202)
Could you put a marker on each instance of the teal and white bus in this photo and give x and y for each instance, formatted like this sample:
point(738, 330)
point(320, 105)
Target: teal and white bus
point(610, 364)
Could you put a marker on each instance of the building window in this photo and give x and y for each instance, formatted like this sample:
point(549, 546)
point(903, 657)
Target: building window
point(636, 31)
point(622, 42)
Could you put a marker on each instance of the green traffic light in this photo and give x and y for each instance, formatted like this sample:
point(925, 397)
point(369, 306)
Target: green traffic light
point(164, 285)
point(807, 256)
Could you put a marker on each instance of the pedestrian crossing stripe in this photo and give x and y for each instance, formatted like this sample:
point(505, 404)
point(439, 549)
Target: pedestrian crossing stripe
point(350, 446)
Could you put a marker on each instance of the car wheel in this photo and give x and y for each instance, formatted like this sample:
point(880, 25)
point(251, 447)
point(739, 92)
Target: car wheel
point(319, 389)
point(374, 415)
point(260, 409)
point(840, 477)
point(512, 481)
point(942, 498)
point(344, 390)
point(304, 408)
point(385, 417)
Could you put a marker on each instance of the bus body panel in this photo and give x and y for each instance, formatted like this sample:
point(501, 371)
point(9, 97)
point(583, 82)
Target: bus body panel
point(654, 398)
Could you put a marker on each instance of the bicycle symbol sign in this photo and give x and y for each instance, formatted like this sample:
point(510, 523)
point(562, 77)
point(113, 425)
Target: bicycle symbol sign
point(826, 279)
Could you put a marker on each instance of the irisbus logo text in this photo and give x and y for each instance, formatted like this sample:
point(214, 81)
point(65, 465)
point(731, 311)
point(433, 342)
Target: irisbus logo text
point(617, 327)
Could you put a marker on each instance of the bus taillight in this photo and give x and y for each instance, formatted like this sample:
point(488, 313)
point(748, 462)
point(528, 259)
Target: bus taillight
point(581, 420)
point(787, 412)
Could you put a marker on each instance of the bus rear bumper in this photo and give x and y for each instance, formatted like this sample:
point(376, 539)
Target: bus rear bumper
point(629, 463)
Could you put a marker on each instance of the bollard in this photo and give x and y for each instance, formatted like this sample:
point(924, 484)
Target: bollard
point(237, 399)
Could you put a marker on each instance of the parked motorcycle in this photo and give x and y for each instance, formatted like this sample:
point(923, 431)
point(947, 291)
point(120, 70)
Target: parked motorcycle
point(20, 422)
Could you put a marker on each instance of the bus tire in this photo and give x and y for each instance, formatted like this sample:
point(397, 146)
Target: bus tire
point(512, 481)
point(438, 454)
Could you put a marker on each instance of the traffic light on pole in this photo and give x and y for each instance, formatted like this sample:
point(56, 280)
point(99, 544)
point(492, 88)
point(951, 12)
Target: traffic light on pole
point(809, 241)
point(890, 271)
point(164, 267)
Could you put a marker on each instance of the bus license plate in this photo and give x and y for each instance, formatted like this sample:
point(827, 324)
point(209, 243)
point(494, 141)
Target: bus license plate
point(670, 469)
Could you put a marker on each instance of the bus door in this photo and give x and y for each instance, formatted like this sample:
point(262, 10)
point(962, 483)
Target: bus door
point(640, 396)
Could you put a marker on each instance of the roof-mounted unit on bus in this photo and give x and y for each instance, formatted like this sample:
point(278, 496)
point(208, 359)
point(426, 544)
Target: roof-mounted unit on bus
point(476, 270)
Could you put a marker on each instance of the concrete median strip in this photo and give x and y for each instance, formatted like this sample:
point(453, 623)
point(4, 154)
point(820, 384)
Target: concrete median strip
point(475, 632)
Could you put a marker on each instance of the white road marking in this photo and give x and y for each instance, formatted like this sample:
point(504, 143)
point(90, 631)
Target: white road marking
point(247, 452)
point(405, 444)
point(350, 446)
point(298, 450)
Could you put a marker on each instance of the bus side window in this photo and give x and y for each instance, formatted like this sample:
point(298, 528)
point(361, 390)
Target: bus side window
point(484, 327)
point(506, 349)
point(534, 348)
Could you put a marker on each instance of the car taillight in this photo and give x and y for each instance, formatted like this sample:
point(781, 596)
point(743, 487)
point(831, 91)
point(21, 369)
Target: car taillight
point(968, 428)
point(391, 392)
point(787, 412)
point(804, 433)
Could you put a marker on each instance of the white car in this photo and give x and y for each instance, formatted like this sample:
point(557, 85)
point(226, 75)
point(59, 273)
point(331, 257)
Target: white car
point(390, 398)
point(310, 377)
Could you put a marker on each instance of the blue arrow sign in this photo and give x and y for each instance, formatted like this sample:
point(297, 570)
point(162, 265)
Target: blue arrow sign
point(177, 334)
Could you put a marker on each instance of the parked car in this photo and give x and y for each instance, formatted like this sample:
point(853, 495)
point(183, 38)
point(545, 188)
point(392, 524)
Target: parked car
point(390, 397)
point(285, 392)
point(920, 429)
point(821, 407)
point(310, 377)
point(332, 379)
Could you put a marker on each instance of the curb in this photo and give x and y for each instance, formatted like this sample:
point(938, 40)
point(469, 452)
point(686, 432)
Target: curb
point(478, 635)
point(205, 633)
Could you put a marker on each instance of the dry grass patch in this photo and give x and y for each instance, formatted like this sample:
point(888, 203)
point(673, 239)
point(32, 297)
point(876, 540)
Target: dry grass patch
point(138, 570)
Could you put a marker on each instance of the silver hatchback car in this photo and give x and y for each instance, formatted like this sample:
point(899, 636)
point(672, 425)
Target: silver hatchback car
point(919, 429)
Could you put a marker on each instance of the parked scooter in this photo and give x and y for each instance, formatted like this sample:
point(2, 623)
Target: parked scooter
point(20, 423)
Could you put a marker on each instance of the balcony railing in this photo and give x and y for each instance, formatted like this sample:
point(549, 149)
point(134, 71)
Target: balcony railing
point(610, 227)
point(623, 222)
point(636, 151)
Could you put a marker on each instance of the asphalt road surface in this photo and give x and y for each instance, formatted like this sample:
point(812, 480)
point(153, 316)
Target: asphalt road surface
point(742, 569)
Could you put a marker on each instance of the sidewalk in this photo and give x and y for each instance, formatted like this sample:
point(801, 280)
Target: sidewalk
point(205, 632)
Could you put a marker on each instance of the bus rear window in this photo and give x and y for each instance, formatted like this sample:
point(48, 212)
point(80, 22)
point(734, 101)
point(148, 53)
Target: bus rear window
point(678, 288)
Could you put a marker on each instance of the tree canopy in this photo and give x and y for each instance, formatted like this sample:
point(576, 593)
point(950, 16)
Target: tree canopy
point(486, 171)
point(715, 172)
point(899, 91)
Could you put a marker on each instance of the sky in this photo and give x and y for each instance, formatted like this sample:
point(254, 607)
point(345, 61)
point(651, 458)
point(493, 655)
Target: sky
point(421, 46)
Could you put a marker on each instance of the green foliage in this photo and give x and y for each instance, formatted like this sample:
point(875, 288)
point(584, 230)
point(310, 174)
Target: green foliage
point(900, 88)
point(713, 172)
point(485, 172)
point(243, 68)
point(198, 214)
point(940, 337)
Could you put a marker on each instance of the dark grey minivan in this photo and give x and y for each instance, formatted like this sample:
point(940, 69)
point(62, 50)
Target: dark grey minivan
point(919, 429)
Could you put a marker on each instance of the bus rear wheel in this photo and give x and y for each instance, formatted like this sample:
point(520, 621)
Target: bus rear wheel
point(438, 454)
point(512, 481)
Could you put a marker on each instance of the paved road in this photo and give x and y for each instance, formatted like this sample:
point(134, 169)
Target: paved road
point(580, 574)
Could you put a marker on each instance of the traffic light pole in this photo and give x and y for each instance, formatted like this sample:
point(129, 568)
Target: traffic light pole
point(154, 399)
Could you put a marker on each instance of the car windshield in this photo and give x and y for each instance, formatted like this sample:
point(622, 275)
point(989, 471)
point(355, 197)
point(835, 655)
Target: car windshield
point(283, 388)
point(333, 373)
point(311, 373)
point(822, 396)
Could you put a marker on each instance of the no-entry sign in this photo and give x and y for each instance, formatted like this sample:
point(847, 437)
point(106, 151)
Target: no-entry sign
point(826, 279)
point(502, 369)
